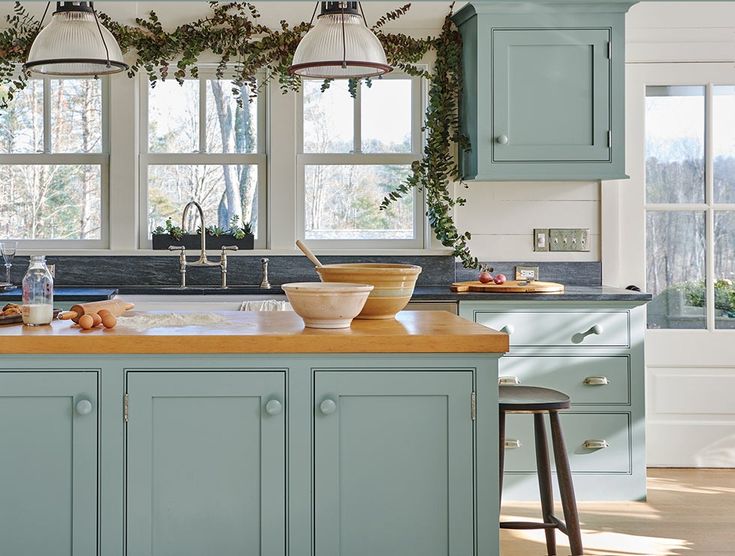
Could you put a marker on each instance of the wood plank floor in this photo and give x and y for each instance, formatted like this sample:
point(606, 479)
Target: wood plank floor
point(688, 512)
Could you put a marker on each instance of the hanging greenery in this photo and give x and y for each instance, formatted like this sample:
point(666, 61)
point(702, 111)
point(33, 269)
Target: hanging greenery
point(246, 48)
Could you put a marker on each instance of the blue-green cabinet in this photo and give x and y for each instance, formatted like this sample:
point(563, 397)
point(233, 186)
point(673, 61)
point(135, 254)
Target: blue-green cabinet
point(48, 462)
point(393, 463)
point(206, 463)
point(543, 91)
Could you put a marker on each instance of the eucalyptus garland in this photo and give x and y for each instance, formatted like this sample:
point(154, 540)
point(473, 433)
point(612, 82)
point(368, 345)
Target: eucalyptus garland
point(246, 48)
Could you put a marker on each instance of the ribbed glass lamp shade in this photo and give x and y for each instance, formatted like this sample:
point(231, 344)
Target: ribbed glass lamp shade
point(71, 44)
point(329, 53)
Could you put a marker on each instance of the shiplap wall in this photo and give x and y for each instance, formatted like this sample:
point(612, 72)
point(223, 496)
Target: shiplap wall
point(502, 215)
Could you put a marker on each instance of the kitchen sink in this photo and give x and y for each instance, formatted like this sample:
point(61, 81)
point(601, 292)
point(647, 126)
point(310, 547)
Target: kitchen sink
point(197, 300)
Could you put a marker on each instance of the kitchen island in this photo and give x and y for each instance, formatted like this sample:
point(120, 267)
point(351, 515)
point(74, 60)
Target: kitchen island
point(251, 436)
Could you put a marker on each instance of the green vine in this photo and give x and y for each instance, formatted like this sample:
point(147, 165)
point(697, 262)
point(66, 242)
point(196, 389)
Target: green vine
point(247, 49)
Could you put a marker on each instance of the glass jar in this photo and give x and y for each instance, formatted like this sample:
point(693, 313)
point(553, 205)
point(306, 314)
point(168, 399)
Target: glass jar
point(38, 293)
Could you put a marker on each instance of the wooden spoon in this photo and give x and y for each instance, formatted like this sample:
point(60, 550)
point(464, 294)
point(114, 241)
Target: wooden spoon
point(309, 255)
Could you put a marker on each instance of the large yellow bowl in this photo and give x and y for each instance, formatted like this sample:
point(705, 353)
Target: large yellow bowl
point(394, 284)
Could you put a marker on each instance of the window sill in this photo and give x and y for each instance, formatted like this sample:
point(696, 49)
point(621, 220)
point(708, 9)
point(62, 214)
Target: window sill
point(250, 253)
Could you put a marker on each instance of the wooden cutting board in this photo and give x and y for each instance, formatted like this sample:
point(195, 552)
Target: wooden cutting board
point(511, 286)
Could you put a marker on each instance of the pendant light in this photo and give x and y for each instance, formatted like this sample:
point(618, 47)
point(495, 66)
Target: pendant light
point(74, 43)
point(340, 45)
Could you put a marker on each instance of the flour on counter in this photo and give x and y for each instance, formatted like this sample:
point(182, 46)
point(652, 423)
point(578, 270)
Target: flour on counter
point(145, 321)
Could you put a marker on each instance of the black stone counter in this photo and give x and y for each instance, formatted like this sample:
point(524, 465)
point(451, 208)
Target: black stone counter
point(64, 294)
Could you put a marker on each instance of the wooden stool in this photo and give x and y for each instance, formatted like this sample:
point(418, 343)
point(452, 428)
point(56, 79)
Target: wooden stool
point(531, 399)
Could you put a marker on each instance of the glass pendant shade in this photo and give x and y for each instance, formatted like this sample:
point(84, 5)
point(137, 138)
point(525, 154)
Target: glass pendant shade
point(340, 45)
point(74, 43)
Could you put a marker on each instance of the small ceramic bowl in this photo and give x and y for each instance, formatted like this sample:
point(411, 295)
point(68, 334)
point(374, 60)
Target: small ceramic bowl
point(327, 305)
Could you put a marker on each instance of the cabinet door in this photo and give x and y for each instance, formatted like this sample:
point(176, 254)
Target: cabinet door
point(393, 463)
point(551, 95)
point(48, 463)
point(206, 463)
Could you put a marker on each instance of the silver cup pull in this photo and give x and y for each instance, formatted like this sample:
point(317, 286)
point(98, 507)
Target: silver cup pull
point(593, 444)
point(597, 381)
point(508, 380)
point(512, 444)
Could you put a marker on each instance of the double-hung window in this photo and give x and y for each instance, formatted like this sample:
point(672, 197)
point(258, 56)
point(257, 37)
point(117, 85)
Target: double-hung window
point(352, 153)
point(198, 143)
point(54, 161)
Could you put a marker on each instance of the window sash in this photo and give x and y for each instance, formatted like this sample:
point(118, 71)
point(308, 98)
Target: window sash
point(101, 159)
point(258, 159)
point(421, 237)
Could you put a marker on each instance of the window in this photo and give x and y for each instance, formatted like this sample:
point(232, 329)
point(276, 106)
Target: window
point(354, 151)
point(690, 206)
point(54, 164)
point(199, 144)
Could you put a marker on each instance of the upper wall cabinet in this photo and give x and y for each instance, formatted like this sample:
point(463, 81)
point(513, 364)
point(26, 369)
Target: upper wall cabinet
point(543, 89)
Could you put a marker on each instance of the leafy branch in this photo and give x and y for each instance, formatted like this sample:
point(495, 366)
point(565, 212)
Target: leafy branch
point(247, 48)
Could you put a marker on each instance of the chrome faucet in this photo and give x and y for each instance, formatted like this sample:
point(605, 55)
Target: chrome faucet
point(202, 261)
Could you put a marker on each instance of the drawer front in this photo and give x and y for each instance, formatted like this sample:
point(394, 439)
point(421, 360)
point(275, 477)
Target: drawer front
point(587, 380)
point(568, 329)
point(578, 428)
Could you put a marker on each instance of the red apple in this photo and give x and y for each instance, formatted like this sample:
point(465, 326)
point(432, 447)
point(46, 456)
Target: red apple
point(500, 279)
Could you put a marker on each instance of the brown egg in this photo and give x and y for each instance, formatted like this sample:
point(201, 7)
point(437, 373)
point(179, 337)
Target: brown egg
point(97, 319)
point(86, 322)
point(109, 321)
point(103, 312)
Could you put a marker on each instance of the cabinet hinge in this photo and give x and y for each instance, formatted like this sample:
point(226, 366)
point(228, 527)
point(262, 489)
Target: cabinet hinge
point(125, 407)
point(473, 405)
point(609, 50)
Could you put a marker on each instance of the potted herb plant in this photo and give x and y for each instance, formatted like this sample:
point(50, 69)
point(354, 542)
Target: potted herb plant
point(216, 237)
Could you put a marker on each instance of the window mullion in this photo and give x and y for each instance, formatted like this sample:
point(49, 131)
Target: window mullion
point(709, 219)
point(46, 115)
point(202, 115)
point(357, 120)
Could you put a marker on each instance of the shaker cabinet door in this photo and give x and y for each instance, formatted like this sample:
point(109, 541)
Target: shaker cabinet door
point(551, 95)
point(393, 463)
point(48, 463)
point(206, 463)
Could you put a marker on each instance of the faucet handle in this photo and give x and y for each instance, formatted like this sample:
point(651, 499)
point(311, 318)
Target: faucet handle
point(264, 282)
point(230, 248)
point(176, 248)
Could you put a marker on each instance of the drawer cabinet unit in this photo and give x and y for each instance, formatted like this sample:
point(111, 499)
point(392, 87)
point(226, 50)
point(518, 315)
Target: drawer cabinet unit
point(592, 351)
point(544, 90)
point(48, 462)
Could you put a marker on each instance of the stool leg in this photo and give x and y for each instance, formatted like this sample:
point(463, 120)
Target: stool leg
point(501, 455)
point(543, 469)
point(566, 487)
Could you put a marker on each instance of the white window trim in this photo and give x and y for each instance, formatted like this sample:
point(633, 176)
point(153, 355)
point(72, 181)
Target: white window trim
point(147, 159)
point(421, 237)
point(101, 159)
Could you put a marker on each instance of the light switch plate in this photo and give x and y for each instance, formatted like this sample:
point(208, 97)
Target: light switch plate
point(541, 239)
point(569, 239)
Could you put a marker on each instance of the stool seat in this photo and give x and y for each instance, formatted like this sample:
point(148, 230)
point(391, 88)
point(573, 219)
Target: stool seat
point(531, 398)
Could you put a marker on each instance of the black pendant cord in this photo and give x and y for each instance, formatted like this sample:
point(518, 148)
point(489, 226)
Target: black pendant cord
point(364, 19)
point(344, 39)
point(40, 25)
point(313, 14)
point(99, 28)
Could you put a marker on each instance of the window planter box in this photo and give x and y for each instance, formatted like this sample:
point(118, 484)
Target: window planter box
point(193, 241)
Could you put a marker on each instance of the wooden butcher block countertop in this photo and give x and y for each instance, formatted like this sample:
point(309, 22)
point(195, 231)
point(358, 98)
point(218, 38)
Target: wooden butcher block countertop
point(263, 332)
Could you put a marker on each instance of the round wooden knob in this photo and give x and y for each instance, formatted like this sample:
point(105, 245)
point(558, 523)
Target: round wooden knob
point(273, 407)
point(328, 406)
point(502, 139)
point(84, 407)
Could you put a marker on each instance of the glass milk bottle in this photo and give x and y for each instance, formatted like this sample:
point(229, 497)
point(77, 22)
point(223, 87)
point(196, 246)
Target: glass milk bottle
point(38, 293)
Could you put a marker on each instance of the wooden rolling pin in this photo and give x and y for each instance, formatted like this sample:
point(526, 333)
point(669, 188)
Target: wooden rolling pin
point(116, 306)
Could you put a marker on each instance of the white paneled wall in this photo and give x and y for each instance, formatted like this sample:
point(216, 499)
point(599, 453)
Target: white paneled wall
point(502, 216)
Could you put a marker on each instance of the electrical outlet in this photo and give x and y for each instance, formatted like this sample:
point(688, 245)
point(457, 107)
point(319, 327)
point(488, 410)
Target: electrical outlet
point(569, 239)
point(541, 239)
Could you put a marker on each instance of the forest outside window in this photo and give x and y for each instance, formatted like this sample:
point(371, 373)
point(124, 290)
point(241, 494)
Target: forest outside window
point(200, 144)
point(54, 164)
point(690, 206)
point(354, 151)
